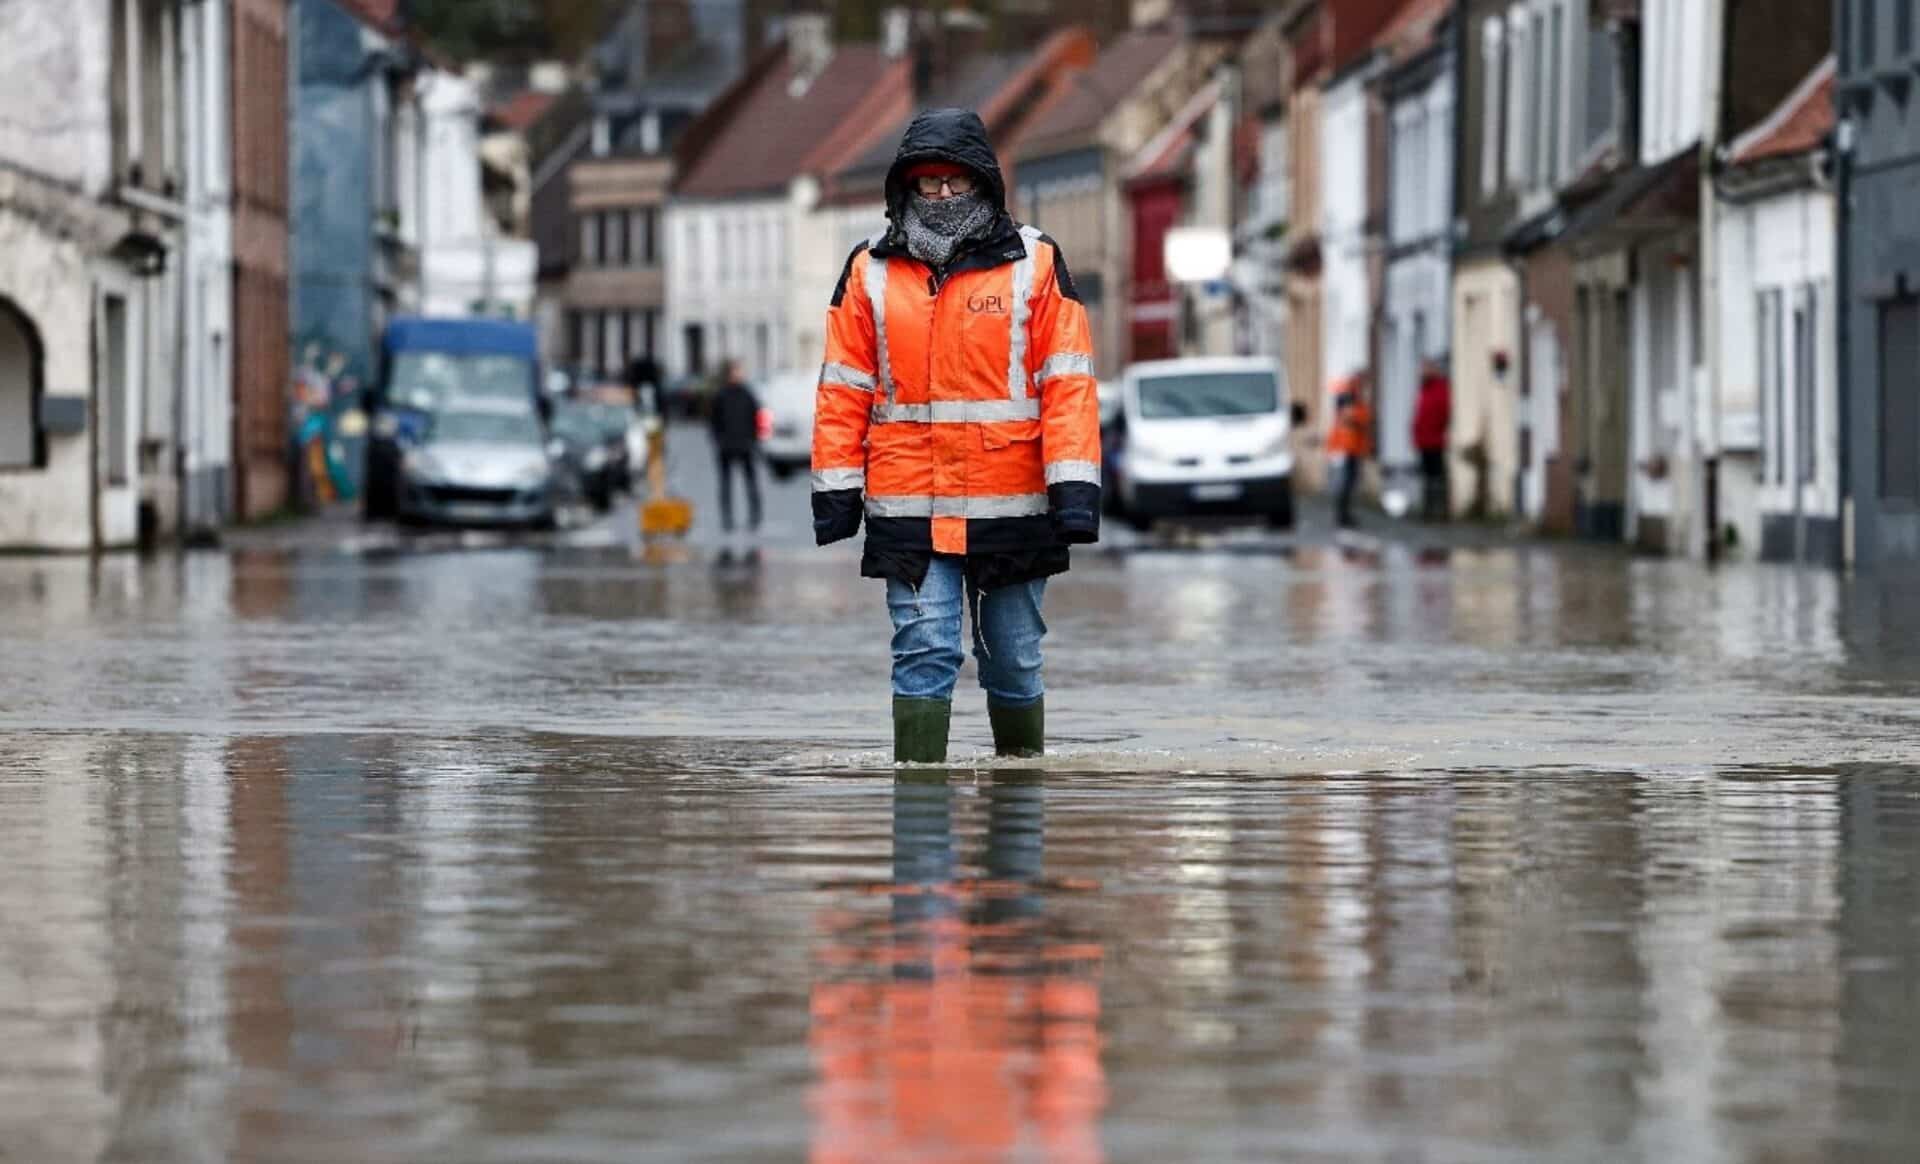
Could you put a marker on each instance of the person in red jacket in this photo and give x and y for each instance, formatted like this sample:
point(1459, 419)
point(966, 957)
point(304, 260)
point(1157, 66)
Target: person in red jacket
point(1432, 416)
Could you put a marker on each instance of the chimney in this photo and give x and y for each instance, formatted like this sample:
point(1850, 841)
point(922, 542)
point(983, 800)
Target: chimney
point(941, 46)
point(896, 31)
point(809, 43)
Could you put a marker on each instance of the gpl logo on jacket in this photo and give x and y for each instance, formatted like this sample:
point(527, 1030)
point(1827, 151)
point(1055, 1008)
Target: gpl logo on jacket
point(986, 305)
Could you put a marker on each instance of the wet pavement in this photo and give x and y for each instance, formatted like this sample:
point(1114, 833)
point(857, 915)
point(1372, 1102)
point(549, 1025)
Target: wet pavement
point(1407, 847)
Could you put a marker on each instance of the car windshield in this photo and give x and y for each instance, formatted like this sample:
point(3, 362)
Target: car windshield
point(611, 419)
point(503, 428)
point(1208, 394)
point(430, 381)
point(576, 425)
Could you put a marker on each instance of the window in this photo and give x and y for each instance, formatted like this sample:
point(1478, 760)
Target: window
point(1493, 103)
point(612, 341)
point(1805, 372)
point(1555, 58)
point(1903, 27)
point(1602, 82)
point(1520, 104)
point(613, 236)
point(723, 263)
point(22, 444)
point(590, 345)
point(589, 240)
point(1773, 420)
point(1863, 48)
point(1900, 400)
point(115, 429)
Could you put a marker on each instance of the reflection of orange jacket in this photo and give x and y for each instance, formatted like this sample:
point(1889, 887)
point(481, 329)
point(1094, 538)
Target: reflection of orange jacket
point(981, 1052)
point(1352, 434)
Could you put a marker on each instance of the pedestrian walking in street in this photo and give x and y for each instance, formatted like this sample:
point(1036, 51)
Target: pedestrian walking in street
point(1432, 417)
point(957, 413)
point(1350, 444)
point(736, 441)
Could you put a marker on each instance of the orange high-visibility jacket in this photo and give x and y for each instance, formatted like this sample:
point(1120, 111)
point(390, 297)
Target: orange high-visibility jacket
point(959, 416)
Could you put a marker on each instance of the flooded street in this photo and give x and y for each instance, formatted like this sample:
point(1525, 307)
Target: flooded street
point(1388, 850)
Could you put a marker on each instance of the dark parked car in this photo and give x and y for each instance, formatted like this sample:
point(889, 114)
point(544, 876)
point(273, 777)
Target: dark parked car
point(591, 450)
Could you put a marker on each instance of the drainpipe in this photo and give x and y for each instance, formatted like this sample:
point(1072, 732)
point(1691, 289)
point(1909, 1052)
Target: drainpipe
point(1712, 131)
point(1843, 290)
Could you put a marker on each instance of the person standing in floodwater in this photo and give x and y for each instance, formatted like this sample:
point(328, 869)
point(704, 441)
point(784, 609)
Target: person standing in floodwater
point(957, 413)
point(736, 443)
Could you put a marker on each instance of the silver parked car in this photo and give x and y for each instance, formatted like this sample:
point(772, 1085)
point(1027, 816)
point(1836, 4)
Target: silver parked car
point(479, 467)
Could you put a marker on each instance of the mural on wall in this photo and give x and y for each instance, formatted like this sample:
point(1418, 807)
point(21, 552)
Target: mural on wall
point(329, 425)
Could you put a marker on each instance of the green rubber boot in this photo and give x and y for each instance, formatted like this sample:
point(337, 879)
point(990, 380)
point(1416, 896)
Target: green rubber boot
point(1019, 731)
point(920, 730)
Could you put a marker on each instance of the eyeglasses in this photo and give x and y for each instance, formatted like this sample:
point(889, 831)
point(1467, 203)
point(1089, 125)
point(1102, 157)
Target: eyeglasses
point(956, 184)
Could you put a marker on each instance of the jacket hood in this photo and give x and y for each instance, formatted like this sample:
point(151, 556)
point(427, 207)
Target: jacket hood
point(945, 135)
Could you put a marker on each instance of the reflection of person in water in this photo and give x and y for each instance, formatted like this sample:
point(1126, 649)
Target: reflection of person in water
point(962, 1026)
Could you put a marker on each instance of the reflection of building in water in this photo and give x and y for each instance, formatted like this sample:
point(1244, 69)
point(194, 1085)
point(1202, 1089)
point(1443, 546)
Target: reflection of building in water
point(964, 1024)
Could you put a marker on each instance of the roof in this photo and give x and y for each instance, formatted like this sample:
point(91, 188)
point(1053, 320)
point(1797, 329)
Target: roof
point(975, 86)
point(476, 336)
point(1083, 103)
point(1165, 153)
point(1413, 29)
point(381, 15)
point(1798, 126)
point(768, 136)
point(522, 110)
point(1644, 198)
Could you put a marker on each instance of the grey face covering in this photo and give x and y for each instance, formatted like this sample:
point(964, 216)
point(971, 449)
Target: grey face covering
point(936, 227)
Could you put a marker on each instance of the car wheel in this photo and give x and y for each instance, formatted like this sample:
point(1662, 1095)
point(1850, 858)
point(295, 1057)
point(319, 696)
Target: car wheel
point(1281, 516)
point(782, 470)
point(1138, 522)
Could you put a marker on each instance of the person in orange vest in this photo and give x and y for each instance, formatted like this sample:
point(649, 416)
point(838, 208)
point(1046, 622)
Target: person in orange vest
point(957, 415)
point(1350, 444)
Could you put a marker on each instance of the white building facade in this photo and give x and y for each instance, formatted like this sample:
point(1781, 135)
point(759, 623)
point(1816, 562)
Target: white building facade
point(1671, 433)
point(1347, 303)
point(1417, 325)
point(1779, 399)
point(98, 176)
point(728, 294)
point(468, 266)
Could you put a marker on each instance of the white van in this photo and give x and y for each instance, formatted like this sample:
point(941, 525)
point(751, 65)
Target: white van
point(787, 446)
point(1202, 437)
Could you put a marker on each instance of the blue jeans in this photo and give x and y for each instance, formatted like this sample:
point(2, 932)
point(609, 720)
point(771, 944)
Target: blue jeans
point(1007, 629)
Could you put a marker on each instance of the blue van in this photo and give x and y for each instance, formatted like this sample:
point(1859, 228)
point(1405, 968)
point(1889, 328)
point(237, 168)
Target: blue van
point(430, 366)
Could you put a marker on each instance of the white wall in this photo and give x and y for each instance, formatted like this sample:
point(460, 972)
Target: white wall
point(1781, 246)
point(464, 260)
point(1672, 93)
point(55, 60)
point(1343, 184)
point(206, 385)
point(819, 240)
point(1418, 298)
point(728, 270)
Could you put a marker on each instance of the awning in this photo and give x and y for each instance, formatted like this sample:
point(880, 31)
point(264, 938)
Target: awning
point(1638, 203)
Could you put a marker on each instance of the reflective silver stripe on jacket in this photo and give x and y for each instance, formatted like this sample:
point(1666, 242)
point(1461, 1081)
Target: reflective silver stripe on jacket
point(877, 296)
point(845, 376)
point(1020, 316)
point(1064, 364)
point(1009, 505)
point(1060, 472)
point(956, 412)
point(834, 480)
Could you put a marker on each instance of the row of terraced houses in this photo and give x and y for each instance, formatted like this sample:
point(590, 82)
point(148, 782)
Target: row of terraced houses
point(1658, 244)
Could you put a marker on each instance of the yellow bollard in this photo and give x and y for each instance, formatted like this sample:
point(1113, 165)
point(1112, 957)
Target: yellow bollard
point(661, 515)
